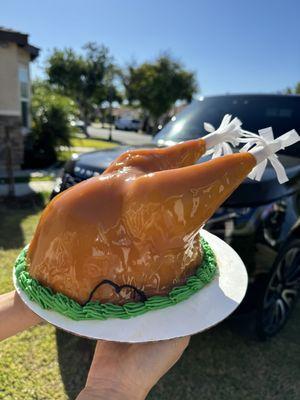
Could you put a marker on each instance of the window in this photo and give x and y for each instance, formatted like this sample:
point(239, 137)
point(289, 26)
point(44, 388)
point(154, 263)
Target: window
point(24, 111)
point(24, 94)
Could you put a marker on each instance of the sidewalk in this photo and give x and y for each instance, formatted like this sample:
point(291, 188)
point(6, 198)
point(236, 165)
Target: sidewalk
point(32, 173)
point(32, 186)
point(22, 189)
point(77, 149)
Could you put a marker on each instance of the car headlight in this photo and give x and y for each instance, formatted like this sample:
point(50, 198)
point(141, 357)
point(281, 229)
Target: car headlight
point(273, 218)
point(57, 184)
point(69, 166)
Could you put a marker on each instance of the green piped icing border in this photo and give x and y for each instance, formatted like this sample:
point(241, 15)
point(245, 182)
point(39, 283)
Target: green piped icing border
point(49, 300)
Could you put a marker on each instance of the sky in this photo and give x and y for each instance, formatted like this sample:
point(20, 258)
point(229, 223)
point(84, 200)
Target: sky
point(234, 46)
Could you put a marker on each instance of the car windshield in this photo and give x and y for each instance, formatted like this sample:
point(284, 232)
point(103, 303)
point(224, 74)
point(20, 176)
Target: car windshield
point(256, 112)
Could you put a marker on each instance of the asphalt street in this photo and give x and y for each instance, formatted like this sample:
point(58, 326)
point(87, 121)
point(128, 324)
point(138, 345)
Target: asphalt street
point(126, 137)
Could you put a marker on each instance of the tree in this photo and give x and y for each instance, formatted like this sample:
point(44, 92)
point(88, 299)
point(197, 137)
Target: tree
point(295, 90)
point(113, 95)
point(86, 78)
point(157, 86)
point(51, 116)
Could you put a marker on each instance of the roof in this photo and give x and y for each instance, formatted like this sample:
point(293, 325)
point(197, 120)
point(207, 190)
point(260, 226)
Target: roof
point(21, 39)
point(248, 95)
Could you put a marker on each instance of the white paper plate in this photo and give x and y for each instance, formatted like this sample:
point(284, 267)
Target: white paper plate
point(204, 309)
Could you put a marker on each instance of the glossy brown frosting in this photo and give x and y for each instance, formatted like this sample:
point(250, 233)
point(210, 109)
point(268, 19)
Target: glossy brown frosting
point(136, 224)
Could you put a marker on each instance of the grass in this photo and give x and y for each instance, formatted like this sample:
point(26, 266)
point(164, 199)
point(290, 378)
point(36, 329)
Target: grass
point(29, 362)
point(226, 362)
point(95, 143)
point(26, 179)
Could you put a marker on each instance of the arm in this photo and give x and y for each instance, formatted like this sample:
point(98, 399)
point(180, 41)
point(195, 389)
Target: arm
point(129, 371)
point(14, 315)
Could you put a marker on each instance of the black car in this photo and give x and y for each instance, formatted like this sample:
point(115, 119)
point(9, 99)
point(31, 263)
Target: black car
point(261, 219)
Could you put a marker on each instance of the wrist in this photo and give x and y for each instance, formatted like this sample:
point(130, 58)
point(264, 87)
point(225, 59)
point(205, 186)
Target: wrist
point(26, 313)
point(16, 315)
point(112, 392)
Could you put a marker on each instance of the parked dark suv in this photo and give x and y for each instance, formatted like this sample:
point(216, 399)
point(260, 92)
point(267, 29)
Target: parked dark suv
point(261, 219)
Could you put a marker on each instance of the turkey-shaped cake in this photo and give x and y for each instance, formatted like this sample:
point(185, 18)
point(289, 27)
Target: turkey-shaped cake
point(133, 232)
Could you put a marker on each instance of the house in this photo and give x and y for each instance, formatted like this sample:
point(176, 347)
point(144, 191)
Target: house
point(126, 112)
point(15, 57)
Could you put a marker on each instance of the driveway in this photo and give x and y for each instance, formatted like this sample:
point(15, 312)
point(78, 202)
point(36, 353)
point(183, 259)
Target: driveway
point(126, 137)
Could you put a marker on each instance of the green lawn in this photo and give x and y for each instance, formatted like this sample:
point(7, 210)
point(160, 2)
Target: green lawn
point(95, 143)
point(224, 363)
point(25, 179)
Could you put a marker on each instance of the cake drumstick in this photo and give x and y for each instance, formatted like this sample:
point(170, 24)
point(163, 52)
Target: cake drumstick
point(195, 192)
point(182, 154)
point(182, 200)
point(133, 227)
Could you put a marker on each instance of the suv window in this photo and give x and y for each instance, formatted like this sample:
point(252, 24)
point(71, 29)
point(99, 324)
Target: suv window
point(256, 112)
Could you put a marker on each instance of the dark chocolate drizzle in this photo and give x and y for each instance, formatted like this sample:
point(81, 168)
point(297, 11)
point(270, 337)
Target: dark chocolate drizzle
point(118, 289)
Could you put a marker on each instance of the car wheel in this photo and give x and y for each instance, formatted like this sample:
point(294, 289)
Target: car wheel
point(281, 291)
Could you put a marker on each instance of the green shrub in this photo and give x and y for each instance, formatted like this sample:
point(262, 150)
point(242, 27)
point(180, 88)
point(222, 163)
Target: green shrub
point(51, 116)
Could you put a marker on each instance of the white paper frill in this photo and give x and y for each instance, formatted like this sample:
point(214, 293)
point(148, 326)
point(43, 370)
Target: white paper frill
point(201, 311)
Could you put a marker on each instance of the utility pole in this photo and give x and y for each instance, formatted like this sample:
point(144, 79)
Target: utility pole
point(9, 163)
point(110, 122)
point(110, 113)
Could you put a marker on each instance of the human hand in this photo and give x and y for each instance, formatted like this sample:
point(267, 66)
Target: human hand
point(129, 371)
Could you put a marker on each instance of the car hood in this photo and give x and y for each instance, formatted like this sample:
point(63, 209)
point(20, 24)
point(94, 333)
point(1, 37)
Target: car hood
point(249, 193)
point(96, 160)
